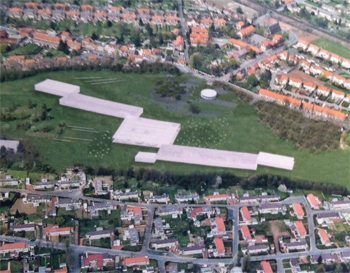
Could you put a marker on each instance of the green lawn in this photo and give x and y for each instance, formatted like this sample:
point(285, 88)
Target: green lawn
point(27, 50)
point(226, 124)
point(333, 47)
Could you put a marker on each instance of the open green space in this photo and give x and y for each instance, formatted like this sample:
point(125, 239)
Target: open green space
point(333, 47)
point(65, 136)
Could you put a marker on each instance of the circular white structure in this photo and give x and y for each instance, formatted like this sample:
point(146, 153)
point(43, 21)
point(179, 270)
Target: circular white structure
point(208, 94)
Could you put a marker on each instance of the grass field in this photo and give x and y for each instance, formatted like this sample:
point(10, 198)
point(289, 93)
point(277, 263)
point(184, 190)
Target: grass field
point(333, 47)
point(224, 124)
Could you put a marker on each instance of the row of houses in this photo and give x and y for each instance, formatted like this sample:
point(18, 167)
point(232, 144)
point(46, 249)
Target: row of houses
point(311, 108)
point(306, 45)
point(100, 261)
point(88, 13)
point(316, 70)
point(310, 86)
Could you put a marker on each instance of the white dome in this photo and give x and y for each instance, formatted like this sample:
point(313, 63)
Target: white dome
point(208, 94)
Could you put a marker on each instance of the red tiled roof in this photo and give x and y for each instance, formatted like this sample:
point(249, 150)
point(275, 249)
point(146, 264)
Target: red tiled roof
point(245, 213)
point(266, 266)
point(219, 221)
point(246, 232)
point(62, 270)
point(46, 38)
point(135, 210)
point(13, 246)
point(56, 229)
point(219, 244)
point(324, 236)
point(298, 210)
point(142, 260)
point(300, 228)
point(247, 31)
point(94, 258)
point(240, 44)
point(324, 111)
point(280, 98)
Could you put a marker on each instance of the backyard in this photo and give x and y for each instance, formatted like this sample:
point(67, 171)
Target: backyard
point(333, 47)
point(65, 136)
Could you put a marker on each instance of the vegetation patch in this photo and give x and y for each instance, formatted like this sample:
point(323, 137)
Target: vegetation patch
point(192, 132)
point(100, 146)
point(305, 133)
point(333, 47)
point(235, 128)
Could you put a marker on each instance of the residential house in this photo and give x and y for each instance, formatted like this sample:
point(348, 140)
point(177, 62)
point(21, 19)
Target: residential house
point(132, 235)
point(298, 210)
point(299, 230)
point(199, 36)
point(36, 200)
point(246, 217)
point(246, 235)
point(160, 199)
point(136, 261)
point(131, 213)
point(55, 231)
point(124, 196)
point(246, 31)
point(324, 237)
point(173, 211)
point(340, 205)
point(327, 217)
point(193, 250)
point(99, 234)
point(217, 197)
point(186, 197)
point(258, 249)
point(45, 39)
point(219, 247)
point(300, 245)
point(68, 204)
point(14, 248)
point(24, 228)
point(266, 267)
point(164, 244)
point(271, 208)
point(217, 227)
point(97, 261)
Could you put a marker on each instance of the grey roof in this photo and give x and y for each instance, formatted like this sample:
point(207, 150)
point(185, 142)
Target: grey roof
point(327, 214)
point(99, 232)
point(270, 206)
point(166, 241)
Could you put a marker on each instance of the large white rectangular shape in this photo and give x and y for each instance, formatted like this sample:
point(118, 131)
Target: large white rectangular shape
point(207, 157)
point(276, 161)
point(144, 157)
point(9, 144)
point(146, 132)
point(100, 106)
point(56, 88)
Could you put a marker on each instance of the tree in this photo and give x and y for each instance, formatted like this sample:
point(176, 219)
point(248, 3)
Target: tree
point(3, 152)
point(252, 81)
point(196, 61)
point(21, 148)
point(94, 36)
point(63, 47)
point(135, 37)
point(239, 10)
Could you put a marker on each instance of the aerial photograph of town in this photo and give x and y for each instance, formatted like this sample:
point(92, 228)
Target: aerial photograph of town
point(165, 136)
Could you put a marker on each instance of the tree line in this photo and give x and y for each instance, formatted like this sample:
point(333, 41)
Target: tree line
point(201, 182)
point(143, 67)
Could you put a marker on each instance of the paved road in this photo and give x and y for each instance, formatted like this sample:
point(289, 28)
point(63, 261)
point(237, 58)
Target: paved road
point(184, 29)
